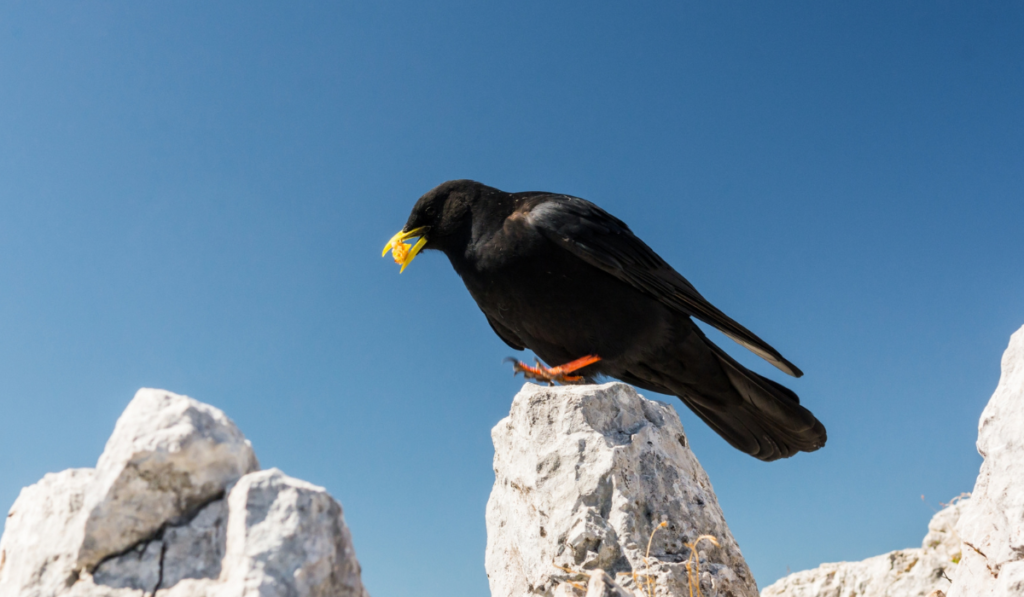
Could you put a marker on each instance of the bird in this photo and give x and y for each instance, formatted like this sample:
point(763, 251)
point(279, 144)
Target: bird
point(566, 279)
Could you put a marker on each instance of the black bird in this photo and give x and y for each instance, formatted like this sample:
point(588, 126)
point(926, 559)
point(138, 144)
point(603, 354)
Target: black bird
point(566, 279)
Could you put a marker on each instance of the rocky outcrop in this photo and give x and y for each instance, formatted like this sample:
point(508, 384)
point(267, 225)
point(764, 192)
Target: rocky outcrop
point(974, 548)
point(914, 572)
point(176, 507)
point(992, 524)
point(596, 492)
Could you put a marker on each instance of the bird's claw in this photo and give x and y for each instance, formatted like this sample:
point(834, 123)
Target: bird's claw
point(553, 375)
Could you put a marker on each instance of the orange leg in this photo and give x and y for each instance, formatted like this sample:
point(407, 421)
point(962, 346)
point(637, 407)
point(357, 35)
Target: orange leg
point(554, 374)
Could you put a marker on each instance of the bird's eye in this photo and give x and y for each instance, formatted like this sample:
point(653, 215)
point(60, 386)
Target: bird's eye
point(429, 210)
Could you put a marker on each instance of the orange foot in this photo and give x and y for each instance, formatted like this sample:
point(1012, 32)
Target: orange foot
point(554, 374)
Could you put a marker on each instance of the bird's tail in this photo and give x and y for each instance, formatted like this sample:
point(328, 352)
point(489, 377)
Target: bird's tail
point(762, 418)
point(753, 413)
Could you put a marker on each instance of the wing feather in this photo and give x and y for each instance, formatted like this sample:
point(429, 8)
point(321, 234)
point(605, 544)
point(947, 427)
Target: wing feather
point(605, 242)
point(507, 336)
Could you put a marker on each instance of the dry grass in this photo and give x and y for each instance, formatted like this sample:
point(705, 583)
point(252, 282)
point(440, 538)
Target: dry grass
point(962, 496)
point(647, 585)
point(645, 581)
point(572, 572)
point(693, 563)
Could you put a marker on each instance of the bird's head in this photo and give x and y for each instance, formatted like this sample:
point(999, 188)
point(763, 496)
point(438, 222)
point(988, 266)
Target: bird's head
point(441, 219)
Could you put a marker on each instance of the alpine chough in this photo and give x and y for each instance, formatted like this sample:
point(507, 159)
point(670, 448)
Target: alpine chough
point(566, 279)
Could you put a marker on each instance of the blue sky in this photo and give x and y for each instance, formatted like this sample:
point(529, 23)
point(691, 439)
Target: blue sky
point(194, 197)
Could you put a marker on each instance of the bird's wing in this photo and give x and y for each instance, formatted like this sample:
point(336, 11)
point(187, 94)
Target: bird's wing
point(507, 336)
point(604, 241)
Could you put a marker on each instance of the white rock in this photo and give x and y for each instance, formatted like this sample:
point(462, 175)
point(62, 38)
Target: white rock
point(914, 572)
point(191, 550)
point(602, 585)
point(169, 455)
point(992, 525)
point(287, 537)
point(153, 518)
point(39, 549)
point(138, 568)
point(583, 476)
point(984, 534)
point(196, 550)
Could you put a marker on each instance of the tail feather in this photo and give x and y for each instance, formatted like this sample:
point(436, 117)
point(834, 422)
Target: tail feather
point(753, 413)
point(769, 415)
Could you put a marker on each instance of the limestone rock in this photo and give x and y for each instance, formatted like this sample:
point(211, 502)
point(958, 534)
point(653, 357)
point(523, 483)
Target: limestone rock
point(978, 543)
point(39, 548)
point(191, 550)
point(992, 525)
point(583, 476)
point(602, 585)
point(913, 572)
point(169, 454)
point(175, 508)
point(286, 536)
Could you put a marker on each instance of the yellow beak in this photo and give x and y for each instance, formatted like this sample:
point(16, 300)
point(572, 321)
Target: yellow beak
point(400, 251)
